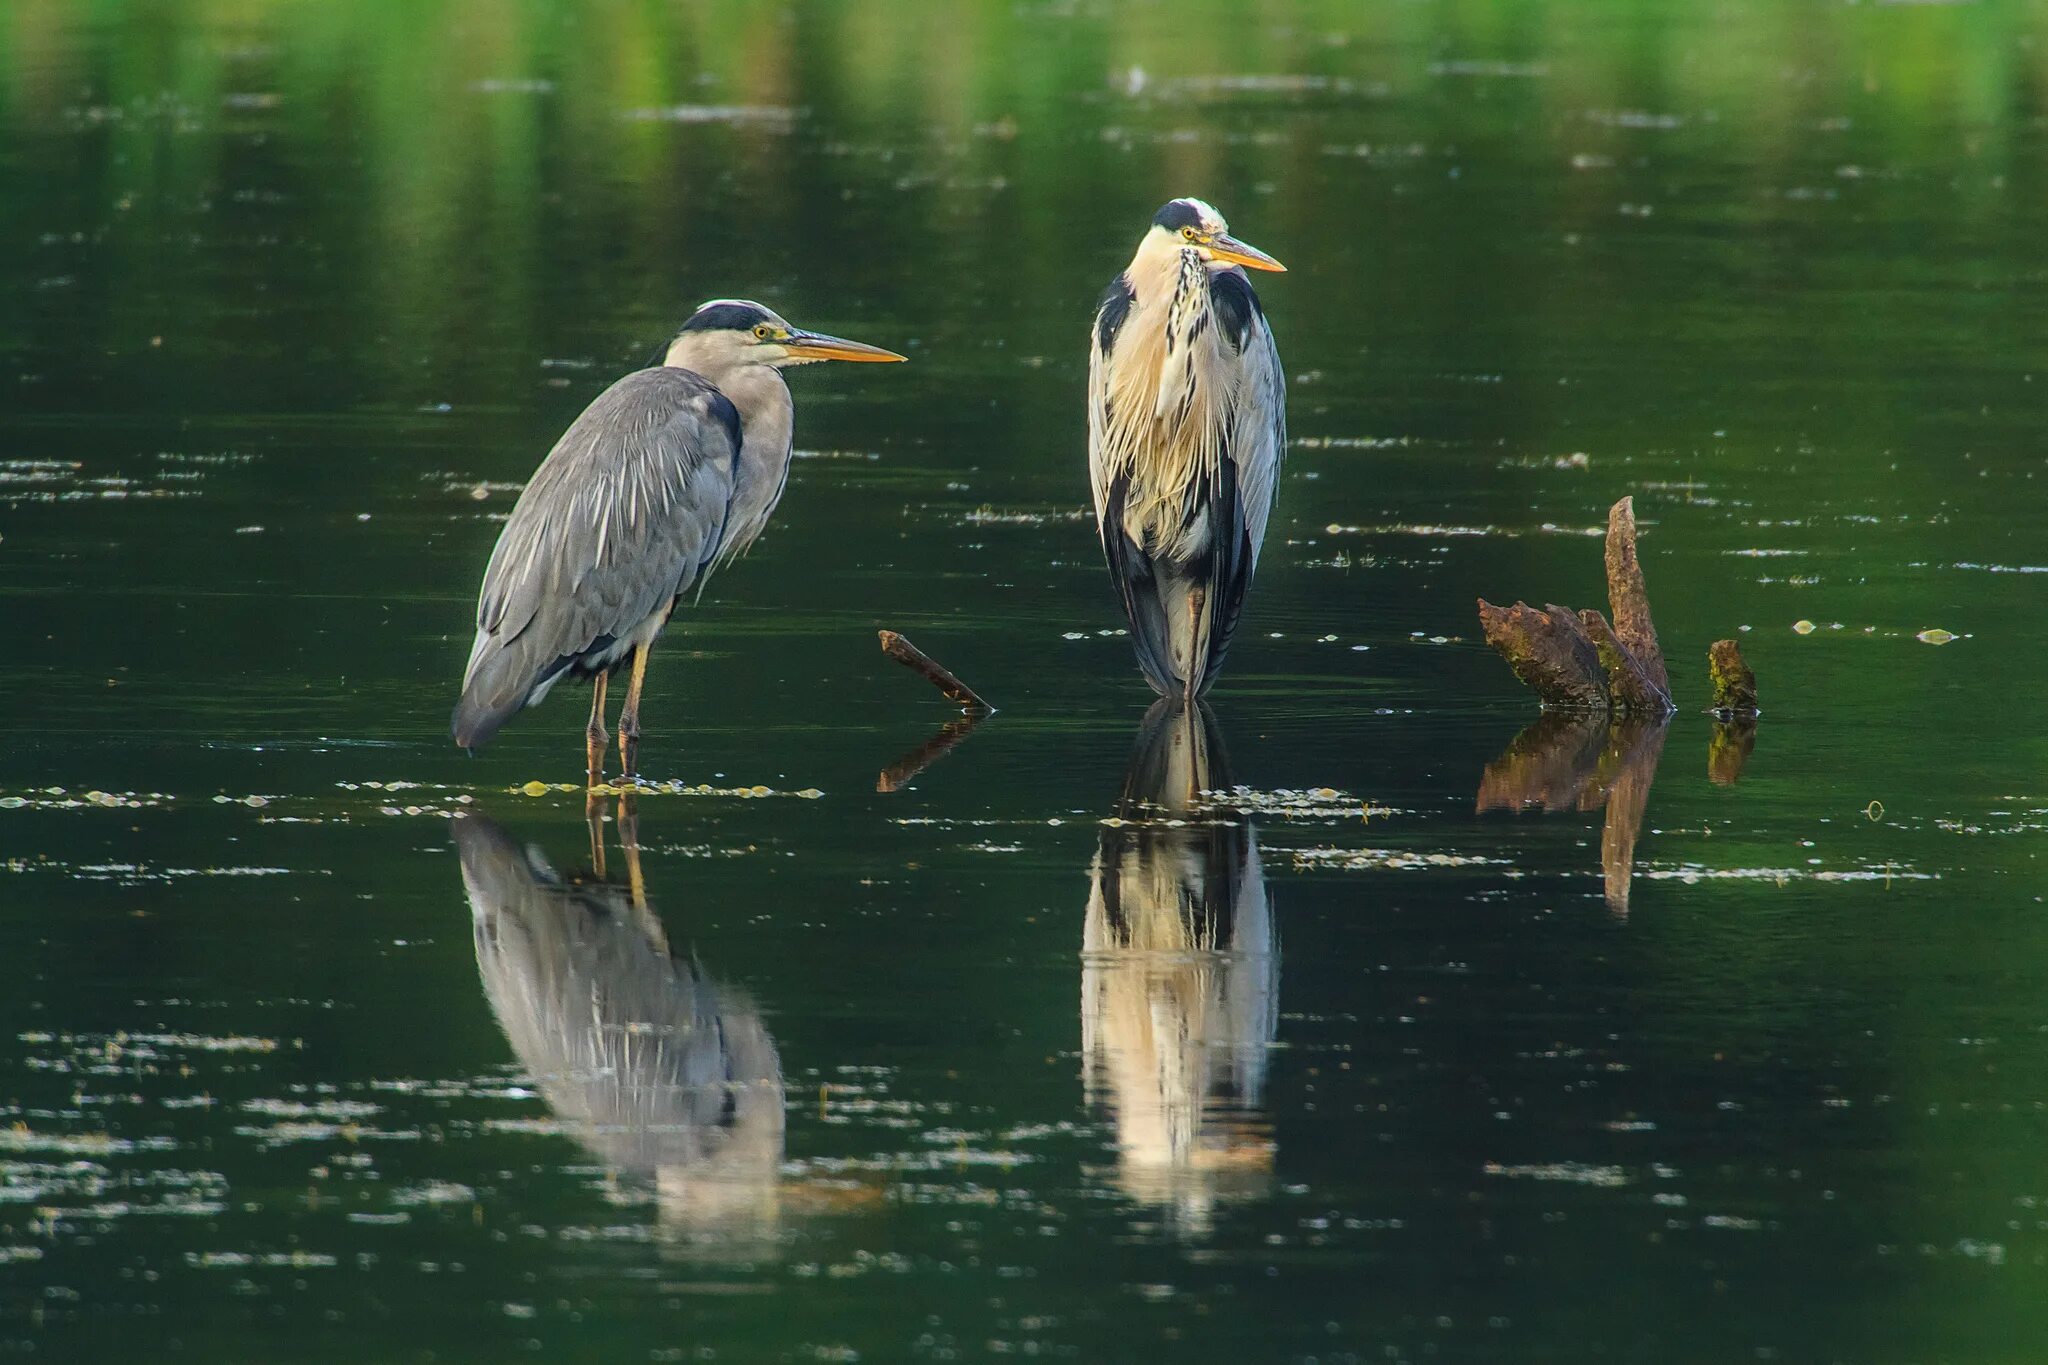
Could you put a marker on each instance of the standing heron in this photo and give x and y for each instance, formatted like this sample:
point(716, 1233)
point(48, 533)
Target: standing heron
point(671, 471)
point(1187, 422)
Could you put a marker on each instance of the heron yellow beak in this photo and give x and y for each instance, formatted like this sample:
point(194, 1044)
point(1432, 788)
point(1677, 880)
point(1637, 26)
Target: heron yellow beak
point(1227, 248)
point(818, 346)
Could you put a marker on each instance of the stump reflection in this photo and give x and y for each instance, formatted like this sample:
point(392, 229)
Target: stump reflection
point(1575, 761)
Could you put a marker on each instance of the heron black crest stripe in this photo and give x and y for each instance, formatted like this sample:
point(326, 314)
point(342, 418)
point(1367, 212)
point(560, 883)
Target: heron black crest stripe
point(1111, 312)
point(1178, 214)
point(726, 317)
point(1235, 305)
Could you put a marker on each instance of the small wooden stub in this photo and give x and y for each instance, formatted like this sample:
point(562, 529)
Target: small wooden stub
point(933, 672)
point(1734, 684)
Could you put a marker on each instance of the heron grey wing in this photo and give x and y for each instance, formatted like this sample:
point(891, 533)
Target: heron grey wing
point(1110, 315)
point(617, 522)
point(1256, 442)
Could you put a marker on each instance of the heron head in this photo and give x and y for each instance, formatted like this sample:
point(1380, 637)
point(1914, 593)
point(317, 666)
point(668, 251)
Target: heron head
point(726, 334)
point(1192, 225)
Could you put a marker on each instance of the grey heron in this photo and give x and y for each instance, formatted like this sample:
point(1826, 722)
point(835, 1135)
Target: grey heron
point(1187, 424)
point(1180, 975)
point(668, 473)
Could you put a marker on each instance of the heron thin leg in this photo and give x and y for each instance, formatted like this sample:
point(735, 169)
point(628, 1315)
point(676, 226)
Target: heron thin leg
point(594, 736)
point(629, 718)
point(1198, 636)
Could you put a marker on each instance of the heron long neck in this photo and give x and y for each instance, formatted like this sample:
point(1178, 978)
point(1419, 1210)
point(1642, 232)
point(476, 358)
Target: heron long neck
point(1168, 391)
point(767, 425)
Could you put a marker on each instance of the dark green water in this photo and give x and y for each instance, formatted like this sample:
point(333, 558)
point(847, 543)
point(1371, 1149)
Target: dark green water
point(283, 286)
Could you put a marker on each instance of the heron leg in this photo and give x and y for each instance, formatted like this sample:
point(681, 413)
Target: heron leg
point(1198, 637)
point(594, 737)
point(629, 718)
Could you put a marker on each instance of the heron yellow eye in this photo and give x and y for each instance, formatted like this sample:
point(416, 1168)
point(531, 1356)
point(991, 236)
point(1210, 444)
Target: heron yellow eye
point(762, 331)
point(1189, 233)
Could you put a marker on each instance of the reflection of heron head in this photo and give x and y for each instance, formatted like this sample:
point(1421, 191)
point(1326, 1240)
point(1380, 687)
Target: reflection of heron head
point(660, 1072)
point(1180, 976)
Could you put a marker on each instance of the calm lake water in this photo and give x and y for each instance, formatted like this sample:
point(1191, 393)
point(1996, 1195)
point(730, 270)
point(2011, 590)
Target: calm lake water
point(1364, 1056)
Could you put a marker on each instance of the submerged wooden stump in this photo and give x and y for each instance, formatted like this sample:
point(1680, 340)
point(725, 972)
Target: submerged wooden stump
point(1734, 684)
point(1582, 661)
point(1549, 651)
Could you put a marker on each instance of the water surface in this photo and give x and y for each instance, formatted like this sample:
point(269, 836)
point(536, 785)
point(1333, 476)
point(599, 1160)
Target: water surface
point(1422, 1038)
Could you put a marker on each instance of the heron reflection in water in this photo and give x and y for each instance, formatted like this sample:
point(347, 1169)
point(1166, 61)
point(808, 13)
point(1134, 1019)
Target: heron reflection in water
point(1180, 977)
point(661, 1072)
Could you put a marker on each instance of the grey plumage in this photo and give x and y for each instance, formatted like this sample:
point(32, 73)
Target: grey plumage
point(669, 472)
point(1187, 426)
point(627, 512)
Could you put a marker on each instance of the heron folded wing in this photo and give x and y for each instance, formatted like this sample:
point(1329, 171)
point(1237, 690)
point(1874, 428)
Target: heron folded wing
point(616, 523)
point(1257, 414)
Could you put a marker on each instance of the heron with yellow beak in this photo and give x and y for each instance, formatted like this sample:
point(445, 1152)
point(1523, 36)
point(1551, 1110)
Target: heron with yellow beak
point(1187, 424)
point(669, 473)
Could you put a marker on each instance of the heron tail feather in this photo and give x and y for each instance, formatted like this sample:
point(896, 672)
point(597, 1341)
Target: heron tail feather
point(1145, 606)
point(499, 686)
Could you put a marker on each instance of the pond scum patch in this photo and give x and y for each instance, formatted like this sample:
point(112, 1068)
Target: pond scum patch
point(670, 788)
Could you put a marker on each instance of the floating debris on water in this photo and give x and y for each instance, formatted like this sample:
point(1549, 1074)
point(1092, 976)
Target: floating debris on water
point(1693, 872)
point(433, 1192)
point(146, 1045)
point(1367, 859)
point(1935, 635)
point(1404, 528)
point(1803, 627)
point(673, 787)
point(1283, 803)
point(1567, 1172)
point(989, 516)
point(2002, 568)
point(270, 1260)
point(324, 1109)
point(57, 798)
point(136, 874)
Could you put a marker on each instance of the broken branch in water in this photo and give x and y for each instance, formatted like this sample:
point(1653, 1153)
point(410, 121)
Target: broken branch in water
point(1549, 651)
point(1629, 600)
point(905, 769)
point(933, 672)
point(1579, 660)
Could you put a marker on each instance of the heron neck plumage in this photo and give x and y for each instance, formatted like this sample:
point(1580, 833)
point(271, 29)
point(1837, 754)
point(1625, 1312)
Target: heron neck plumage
point(1164, 381)
point(767, 426)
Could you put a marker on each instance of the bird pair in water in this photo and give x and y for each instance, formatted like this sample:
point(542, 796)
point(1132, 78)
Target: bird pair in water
point(674, 470)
